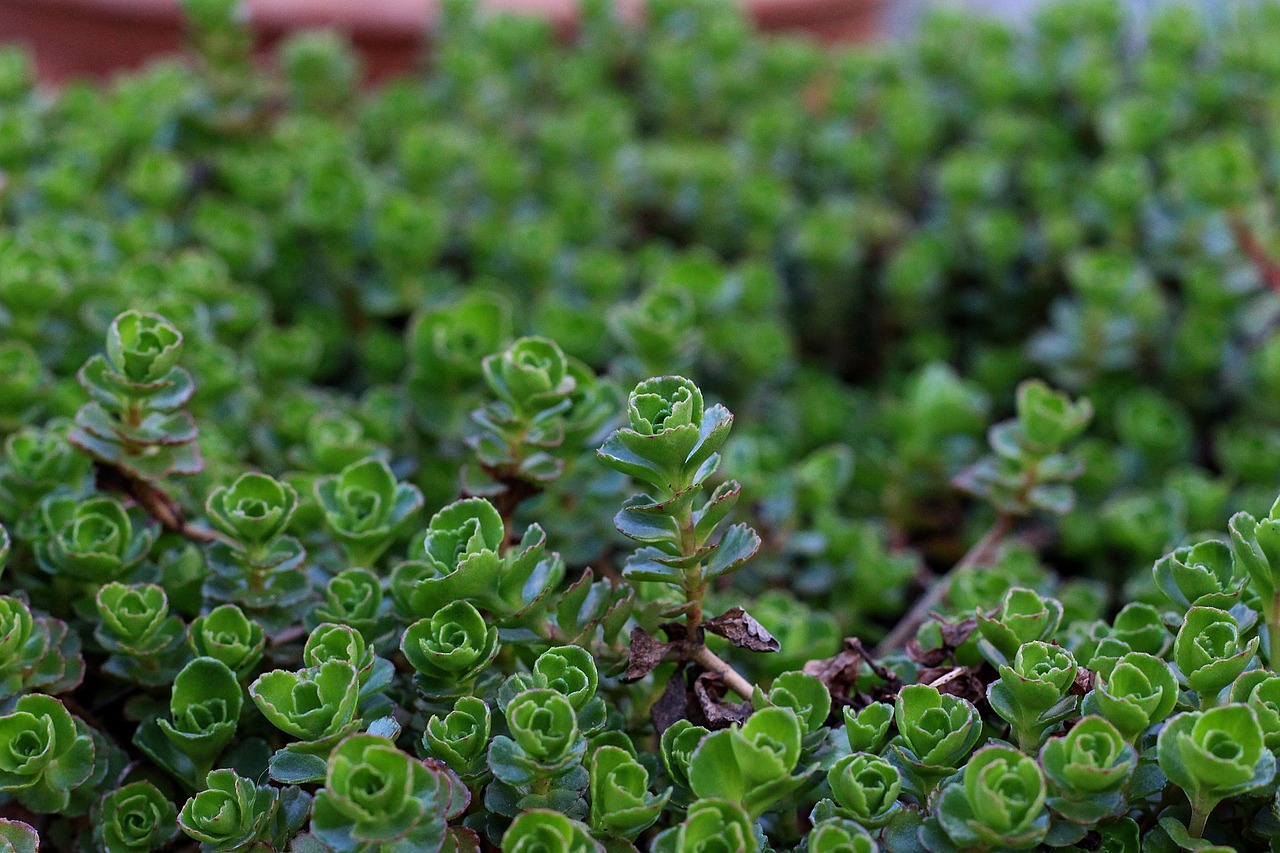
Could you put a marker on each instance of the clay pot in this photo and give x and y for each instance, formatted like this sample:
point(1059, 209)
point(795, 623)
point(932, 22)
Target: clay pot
point(72, 38)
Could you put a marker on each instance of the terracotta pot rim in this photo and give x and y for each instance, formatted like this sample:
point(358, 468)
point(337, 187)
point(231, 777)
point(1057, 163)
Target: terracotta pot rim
point(413, 18)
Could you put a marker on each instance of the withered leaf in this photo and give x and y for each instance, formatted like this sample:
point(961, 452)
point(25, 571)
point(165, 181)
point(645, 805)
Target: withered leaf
point(963, 681)
point(954, 634)
point(672, 706)
point(1083, 682)
point(740, 628)
point(646, 654)
point(840, 675)
point(709, 689)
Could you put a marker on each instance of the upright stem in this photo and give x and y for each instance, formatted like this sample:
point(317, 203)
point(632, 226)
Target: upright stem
point(695, 589)
point(694, 586)
point(1273, 634)
point(1200, 810)
point(979, 554)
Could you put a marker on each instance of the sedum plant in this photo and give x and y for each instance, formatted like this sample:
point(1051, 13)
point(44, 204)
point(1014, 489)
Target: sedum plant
point(366, 480)
point(134, 419)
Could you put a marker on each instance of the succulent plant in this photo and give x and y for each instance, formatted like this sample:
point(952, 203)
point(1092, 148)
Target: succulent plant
point(366, 482)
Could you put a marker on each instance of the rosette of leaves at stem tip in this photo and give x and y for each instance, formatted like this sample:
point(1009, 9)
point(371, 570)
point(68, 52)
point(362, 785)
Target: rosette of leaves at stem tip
point(1033, 694)
point(49, 754)
point(463, 558)
point(328, 641)
point(1137, 627)
point(936, 733)
point(317, 705)
point(868, 730)
point(839, 835)
point(21, 375)
point(18, 837)
point(377, 798)
point(1260, 690)
point(35, 462)
point(1023, 616)
point(135, 627)
point(1134, 693)
point(521, 430)
point(568, 670)
point(1255, 546)
point(808, 697)
point(449, 650)
point(671, 445)
point(135, 818)
point(257, 566)
point(1202, 574)
point(227, 635)
point(93, 541)
point(460, 738)
point(1027, 470)
point(1211, 651)
point(539, 764)
point(255, 509)
point(864, 789)
point(1087, 769)
point(133, 420)
point(544, 831)
point(755, 764)
point(332, 439)
point(231, 814)
point(678, 743)
point(37, 653)
point(1213, 755)
point(621, 804)
point(446, 345)
point(710, 825)
point(204, 711)
point(998, 802)
point(657, 329)
point(355, 598)
point(366, 509)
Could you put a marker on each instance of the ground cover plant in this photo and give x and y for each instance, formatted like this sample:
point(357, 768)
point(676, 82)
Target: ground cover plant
point(670, 439)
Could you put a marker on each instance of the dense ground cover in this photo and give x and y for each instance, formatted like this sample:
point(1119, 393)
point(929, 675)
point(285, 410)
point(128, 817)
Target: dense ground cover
point(355, 498)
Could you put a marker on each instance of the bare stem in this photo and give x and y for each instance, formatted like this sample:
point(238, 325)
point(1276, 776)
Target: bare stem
point(980, 554)
point(1200, 811)
point(1255, 250)
point(711, 662)
point(1273, 634)
point(157, 503)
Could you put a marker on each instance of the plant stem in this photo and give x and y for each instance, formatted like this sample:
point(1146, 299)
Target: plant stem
point(1273, 634)
point(1255, 250)
point(711, 662)
point(1199, 817)
point(979, 554)
point(164, 509)
point(694, 587)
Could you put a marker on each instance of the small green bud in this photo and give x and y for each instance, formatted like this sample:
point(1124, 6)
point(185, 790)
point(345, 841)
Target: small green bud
point(254, 510)
point(316, 705)
point(1000, 802)
point(866, 788)
point(135, 819)
point(451, 648)
point(143, 347)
